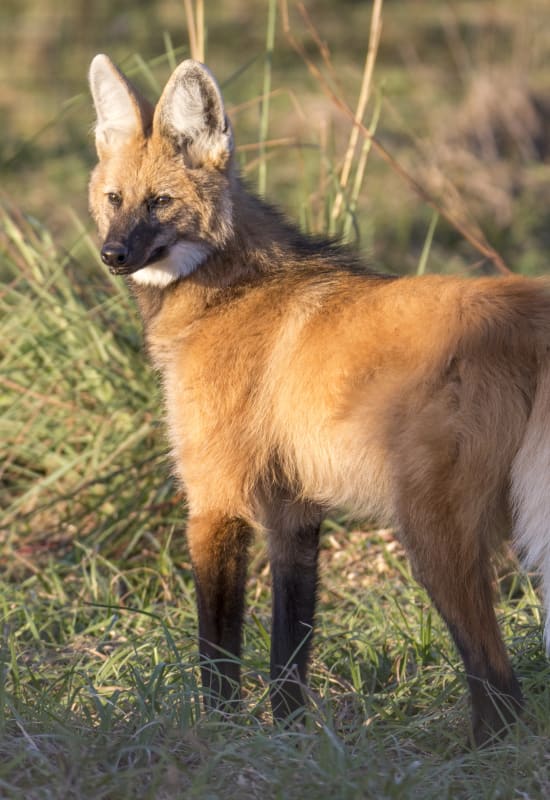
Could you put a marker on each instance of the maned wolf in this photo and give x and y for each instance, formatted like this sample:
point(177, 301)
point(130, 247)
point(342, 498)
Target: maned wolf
point(297, 381)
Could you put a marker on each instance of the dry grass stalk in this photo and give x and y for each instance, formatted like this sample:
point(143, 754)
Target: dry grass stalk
point(237, 109)
point(364, 95)
point(195, 28)
point(285, 141)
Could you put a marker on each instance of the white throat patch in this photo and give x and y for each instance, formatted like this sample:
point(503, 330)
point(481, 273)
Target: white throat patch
point(182, 259)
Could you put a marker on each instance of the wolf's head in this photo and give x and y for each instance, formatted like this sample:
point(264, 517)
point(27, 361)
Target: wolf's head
point(160, 194)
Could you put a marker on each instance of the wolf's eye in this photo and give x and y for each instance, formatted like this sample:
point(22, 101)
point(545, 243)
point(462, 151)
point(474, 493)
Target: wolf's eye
point(162, 200)
point(114, 198)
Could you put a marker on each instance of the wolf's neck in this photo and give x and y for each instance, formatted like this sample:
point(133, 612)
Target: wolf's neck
point(261, 243)
point(261, 227)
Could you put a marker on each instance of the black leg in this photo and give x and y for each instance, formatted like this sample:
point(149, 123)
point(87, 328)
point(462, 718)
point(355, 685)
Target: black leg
point(294, 556)
point(219, 549)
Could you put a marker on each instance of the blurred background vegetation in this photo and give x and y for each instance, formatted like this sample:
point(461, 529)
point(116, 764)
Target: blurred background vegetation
point(462, 87)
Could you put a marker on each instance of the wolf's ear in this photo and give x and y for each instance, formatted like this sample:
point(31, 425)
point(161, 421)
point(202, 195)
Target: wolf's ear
point(121, 111)
point(190, 113)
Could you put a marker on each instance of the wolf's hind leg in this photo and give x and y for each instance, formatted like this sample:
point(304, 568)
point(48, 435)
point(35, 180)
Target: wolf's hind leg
point(460, 585)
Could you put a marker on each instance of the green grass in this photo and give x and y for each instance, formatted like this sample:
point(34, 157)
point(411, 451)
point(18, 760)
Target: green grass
point(99, 694)
point(100, 697)
point(98, 660)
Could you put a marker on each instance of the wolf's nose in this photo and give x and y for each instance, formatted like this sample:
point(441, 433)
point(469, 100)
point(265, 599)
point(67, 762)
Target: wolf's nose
point(114, 254)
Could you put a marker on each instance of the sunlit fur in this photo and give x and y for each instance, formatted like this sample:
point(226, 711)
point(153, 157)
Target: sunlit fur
point(297, 381)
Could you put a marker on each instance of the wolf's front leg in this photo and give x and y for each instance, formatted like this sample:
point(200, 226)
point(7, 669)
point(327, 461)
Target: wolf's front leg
point(219, 549)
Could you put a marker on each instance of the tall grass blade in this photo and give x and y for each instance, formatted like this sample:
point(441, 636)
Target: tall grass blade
point(422, 263)
point(264, 117)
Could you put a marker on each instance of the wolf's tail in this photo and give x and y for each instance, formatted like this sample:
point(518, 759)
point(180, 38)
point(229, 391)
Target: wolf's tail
point(531, 492)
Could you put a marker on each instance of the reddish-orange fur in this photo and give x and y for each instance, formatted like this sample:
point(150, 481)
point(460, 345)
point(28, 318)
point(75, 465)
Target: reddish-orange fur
point(297, 381)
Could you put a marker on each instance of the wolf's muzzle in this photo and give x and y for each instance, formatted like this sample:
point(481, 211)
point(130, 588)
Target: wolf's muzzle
point(115, 255)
